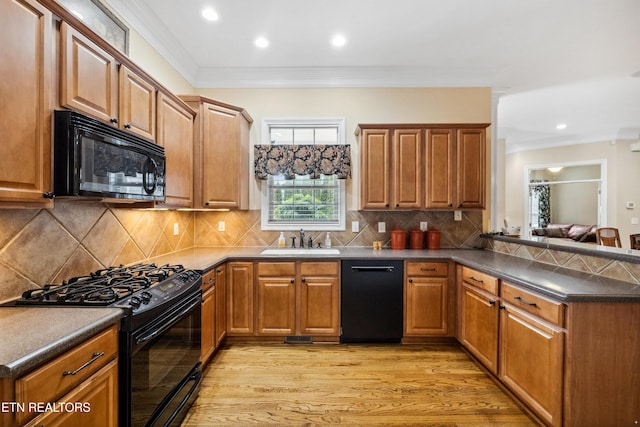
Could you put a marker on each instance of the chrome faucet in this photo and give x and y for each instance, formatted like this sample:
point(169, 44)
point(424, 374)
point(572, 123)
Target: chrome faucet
point(301, 238)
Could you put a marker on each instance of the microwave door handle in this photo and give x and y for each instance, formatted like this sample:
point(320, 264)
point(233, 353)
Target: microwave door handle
point(150, 188)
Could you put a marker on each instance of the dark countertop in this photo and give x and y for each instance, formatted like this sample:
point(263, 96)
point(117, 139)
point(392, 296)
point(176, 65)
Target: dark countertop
point(31, 336)
point(560, 283)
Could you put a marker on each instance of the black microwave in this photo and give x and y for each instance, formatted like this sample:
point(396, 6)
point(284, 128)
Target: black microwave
point(95, 160)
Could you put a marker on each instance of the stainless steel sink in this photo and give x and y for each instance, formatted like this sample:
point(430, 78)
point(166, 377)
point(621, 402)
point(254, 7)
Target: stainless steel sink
point(300, 251)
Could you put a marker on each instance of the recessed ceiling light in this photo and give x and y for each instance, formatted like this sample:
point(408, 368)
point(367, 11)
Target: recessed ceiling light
point(338, 40)
point(261, 42)
point(561, 126)
point(210, 14)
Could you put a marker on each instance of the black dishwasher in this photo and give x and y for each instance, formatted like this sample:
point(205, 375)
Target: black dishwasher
point(371, 301)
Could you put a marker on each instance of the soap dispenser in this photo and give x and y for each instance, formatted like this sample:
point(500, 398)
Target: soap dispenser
point(327, 240)
point(281, 240)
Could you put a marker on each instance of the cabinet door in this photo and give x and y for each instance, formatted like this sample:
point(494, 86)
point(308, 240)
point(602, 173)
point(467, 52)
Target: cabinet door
point(208, 324)
point(100, 395)
point(137, 104)
point(26, 29)
point(240, 318)
point(426, 306)
point(479, 319)
point(88, 76)
point(319, 306)
point(276, 305)
point(221, 157)
point(374, 176)
point(407, 168)
point(531, 356)
point(221, 305)
point(175, 134)
point(470, 181)
point(440, 156)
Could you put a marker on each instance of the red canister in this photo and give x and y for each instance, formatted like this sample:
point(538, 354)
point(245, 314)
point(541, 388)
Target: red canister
point(433, 238)
point(416, 239)
point(398, 239)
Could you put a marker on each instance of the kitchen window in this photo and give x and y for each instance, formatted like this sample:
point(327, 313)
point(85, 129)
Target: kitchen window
point(313, 201)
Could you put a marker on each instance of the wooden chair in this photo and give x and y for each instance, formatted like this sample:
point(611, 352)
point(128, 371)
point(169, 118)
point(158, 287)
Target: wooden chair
point(608, 236)
point(635, 241)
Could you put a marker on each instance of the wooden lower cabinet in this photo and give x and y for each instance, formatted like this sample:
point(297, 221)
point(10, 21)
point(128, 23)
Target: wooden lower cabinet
point(208, 313)
point(319, 299)
point(99, 399)
point(276, 298)
point(221, 305)
point(426, 299)
point(240, 306)
point(87, 397)
point(292, 298)
point(531, 360)
point(479, 320)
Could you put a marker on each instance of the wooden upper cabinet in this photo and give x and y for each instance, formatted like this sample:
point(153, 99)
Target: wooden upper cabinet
point(88, 76)
point(137, 104)
point(221, 150)
point(471, 167)
point(26, 29)
point(439, 170)
point(93, 82)
point(455, 177)
point(424, 166)
point(175, 134)
point(407, 168)
point(375, 169)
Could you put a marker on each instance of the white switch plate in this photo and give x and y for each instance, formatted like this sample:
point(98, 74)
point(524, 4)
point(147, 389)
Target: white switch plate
point(221, 226)
point(634, 220)
point(457, 215)
point(176, 229)
point(382, 227)
point(355, 226)
point(423, 225)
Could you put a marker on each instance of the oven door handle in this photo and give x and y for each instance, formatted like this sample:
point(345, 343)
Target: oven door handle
point(196, 377)
point(154, 333)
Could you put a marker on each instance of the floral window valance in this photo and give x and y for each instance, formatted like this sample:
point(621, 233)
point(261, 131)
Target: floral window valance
point(313, 160)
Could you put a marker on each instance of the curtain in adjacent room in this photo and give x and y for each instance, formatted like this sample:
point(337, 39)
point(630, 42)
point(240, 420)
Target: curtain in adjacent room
point(543, 193)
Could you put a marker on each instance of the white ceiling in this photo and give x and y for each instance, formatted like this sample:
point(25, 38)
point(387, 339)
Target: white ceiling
point(550, 61)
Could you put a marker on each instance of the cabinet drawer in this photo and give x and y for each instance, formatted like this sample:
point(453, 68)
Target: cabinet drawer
point(480, 280)
point(430, 269)
point(208, 280)
point(319, 268)
point(533, 303)
point(276, 269)
point(51, 381)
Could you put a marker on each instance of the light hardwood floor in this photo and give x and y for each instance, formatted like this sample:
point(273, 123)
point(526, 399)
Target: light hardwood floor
point(317, 384)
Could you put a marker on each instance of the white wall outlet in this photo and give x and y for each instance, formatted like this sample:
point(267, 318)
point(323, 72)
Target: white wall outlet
point(634, 220)
point(631, 205)
point(176, 229)
point(221, 226)
point(355, 226)
point(382, 227)
point(423, 225)
point(457, 215)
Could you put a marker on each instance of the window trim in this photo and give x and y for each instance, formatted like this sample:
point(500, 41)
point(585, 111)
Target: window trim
point(267, 123)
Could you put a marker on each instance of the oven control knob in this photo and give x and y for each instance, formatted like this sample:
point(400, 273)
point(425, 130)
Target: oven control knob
point(135, 302)
point(146, 297)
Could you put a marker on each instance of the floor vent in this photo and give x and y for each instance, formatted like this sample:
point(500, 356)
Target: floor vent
point(298, 340)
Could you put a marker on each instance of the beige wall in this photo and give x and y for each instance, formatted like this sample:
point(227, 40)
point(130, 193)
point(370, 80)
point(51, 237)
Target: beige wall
point(622, 174)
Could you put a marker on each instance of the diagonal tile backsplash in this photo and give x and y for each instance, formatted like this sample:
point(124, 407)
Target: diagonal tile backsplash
point(40, 246)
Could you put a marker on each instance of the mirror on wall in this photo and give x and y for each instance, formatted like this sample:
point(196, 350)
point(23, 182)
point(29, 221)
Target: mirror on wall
point(564, 194)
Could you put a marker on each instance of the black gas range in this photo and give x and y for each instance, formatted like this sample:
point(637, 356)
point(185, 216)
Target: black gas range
point(159, 341)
